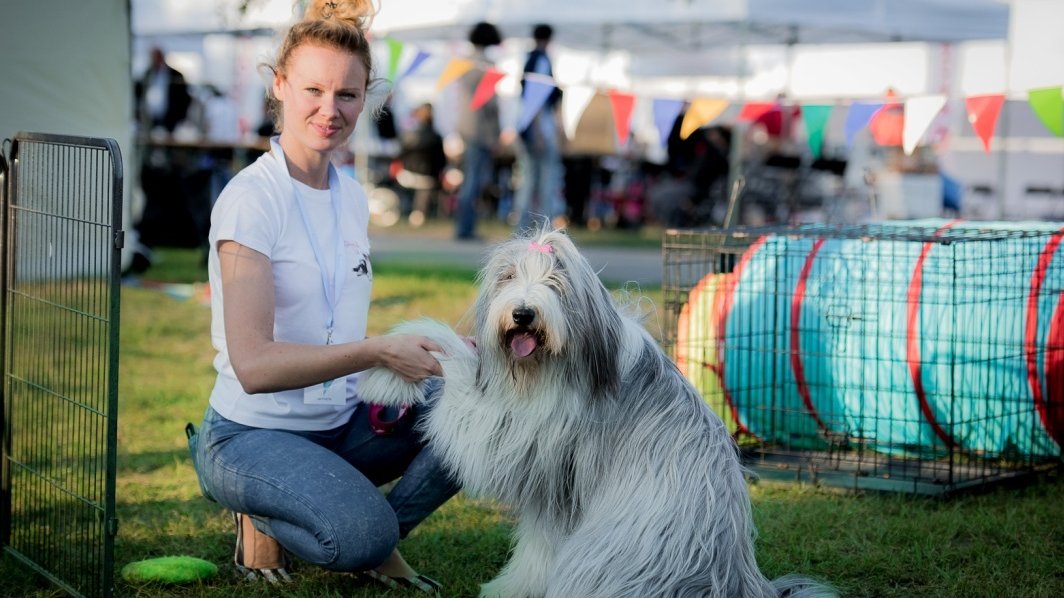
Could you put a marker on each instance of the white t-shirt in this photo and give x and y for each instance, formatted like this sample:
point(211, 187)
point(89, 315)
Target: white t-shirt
point(258, 210)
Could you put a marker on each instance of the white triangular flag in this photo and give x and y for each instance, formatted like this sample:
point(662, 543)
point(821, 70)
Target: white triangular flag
point(574, 102)
point(919, 113)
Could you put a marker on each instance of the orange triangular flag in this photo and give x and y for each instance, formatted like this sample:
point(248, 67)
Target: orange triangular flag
point(454, 69)
point(983, 112)
point(701, 112)
point(622, 112)
point(485, 89)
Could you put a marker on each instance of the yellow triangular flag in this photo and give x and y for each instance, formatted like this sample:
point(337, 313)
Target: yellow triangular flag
point(454, 69)
point(701, 112)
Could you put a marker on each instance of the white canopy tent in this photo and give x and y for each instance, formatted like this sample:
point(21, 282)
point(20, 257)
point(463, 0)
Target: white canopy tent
point(66, 71)
point(680, 46)
point(699, 37)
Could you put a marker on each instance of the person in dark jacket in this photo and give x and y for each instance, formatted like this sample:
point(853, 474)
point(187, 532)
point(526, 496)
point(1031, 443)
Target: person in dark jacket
point(422, 158)
point(162, 96)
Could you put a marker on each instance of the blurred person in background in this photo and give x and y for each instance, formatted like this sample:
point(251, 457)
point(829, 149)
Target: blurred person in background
point(539, 164)
point(479, 130)
point(161, 95)
point(422, 161)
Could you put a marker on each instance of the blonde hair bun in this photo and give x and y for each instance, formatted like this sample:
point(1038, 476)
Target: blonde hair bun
point(358, 12)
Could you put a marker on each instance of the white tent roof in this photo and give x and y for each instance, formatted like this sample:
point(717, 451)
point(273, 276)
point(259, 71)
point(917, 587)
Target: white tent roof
point(632, 25)
point(642, 26)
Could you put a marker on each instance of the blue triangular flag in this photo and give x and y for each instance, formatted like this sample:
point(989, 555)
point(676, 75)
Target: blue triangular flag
point(858, 116)
point(420, 57)
point(665, 112)
point(535, 95)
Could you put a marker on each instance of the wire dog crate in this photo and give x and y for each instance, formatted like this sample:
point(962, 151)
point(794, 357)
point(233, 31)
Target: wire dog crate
point(922, 356)
point(59, 327)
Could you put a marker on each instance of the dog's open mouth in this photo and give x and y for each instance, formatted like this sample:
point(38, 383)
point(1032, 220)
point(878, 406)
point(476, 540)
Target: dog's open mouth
point(522, 342)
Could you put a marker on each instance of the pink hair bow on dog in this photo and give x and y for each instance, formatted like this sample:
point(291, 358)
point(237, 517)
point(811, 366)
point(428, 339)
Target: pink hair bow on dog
point(540, 247)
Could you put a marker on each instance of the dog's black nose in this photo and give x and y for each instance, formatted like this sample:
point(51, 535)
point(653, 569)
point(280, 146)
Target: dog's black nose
point(523, 316)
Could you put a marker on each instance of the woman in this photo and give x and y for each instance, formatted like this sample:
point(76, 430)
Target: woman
point(285, 443)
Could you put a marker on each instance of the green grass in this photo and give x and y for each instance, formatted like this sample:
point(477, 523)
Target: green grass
point(1005, 542)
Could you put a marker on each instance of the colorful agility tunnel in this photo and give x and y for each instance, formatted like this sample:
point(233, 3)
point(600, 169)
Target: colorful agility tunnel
point(696, 351)
point(915, 338)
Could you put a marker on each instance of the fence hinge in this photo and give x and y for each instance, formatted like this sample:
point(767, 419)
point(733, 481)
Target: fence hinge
point(112, 526)
point(120, 239)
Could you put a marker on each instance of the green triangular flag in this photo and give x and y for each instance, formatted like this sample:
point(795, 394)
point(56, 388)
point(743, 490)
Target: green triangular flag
point(1048, 105)
point(395, 50)
point(815, 119)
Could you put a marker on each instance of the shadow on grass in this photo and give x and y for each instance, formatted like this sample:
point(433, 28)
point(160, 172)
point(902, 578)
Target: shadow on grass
point(462, 545)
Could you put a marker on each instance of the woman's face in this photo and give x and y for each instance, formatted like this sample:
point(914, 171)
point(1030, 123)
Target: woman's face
point(322, 92)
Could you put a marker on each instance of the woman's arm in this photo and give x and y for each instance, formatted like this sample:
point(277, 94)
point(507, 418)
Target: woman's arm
point(263, 364)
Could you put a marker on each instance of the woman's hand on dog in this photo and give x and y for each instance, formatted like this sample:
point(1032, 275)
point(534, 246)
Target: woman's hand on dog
point(471, 342)
point(410, 356)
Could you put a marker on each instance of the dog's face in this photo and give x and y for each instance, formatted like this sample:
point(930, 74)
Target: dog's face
point(540, 302)
point(523, 290)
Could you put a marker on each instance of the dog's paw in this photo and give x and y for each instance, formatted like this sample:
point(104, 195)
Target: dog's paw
point(384, 387)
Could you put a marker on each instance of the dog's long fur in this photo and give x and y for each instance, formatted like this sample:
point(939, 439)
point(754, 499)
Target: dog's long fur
point(624, 482)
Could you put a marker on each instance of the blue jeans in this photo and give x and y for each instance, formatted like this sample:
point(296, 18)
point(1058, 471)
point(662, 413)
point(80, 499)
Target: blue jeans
point(540, 169)
point(316, 492)
point(477, 172)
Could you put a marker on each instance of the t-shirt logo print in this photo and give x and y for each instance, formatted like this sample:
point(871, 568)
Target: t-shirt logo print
point(362, 269)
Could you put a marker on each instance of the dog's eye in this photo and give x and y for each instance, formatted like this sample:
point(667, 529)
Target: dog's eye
point(507, 275)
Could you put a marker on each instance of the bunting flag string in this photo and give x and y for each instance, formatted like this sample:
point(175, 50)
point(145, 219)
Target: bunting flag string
point(702, 112)
point(894, 122)
point(919, 113)
point(454, 70)
point(486, 88)
point(1048, 105)
point(666, 111)
point(815, 118)
point(538, 89)
point(395, 50)
point(752, 111)
point(983, 112)
point(574, 102)
point(419, 58)
point(858, 117)
point(622, 104)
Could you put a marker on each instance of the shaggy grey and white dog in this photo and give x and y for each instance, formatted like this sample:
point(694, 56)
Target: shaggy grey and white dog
point(624, 482)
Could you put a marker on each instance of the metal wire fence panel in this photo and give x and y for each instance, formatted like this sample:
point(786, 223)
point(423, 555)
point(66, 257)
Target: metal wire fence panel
point(922, 356)
point(61, 275)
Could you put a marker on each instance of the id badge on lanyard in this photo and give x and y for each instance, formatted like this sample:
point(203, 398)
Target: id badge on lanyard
point(330, 392)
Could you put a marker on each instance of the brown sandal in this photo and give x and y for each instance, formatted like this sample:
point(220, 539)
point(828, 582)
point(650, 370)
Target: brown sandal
point(258, 556)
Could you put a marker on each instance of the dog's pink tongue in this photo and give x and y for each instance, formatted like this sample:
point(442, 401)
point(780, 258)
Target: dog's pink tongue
point(523, 344)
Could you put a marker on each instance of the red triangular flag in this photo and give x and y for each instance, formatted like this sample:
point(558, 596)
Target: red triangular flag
point(983, 113)
point(888, 124)
point(753, 110)
point(485, 89)
point(622, 112)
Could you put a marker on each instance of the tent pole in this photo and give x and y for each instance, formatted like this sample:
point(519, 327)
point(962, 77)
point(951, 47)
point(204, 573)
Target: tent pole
point(1003, 128)
point(735, 158)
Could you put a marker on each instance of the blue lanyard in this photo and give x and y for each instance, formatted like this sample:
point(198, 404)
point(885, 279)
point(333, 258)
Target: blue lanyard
point(332, 292)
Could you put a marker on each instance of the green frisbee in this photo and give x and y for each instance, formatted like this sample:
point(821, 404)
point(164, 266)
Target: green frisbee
point(168, 570)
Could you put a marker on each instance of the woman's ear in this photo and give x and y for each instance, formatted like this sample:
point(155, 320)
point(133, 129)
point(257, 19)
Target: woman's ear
point(278, 87)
